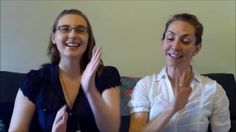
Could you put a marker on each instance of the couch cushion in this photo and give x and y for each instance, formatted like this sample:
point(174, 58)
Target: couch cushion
point(126, 88)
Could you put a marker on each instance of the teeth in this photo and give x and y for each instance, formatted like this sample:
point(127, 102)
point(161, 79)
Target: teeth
point(175, 55)
point(72, 45)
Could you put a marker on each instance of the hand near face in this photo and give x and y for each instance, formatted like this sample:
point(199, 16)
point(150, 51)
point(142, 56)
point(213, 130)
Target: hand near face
point(182, 89)
point(88, 76)
point(60, 122)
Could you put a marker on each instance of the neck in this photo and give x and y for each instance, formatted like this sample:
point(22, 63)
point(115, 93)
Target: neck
point(172, 71)
point(70, 67)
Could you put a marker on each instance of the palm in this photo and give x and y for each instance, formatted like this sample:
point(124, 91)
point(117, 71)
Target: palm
point(88, 76)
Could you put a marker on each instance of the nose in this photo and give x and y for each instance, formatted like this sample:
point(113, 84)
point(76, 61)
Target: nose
point(72, 34)
point(176, 44)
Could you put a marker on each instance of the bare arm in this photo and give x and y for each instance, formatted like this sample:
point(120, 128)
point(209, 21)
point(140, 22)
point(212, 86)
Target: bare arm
point(105, 107)
point(139, 121)
point(22, 113)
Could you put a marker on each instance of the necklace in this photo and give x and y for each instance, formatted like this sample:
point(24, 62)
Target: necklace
point(65, 91)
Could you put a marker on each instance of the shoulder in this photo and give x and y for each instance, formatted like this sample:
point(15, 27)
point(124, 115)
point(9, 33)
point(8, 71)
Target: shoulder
point(211, 85)
point(43, 72)
point(34, 80)
point(147, 80)
point(207, 82)
point(110, 70)
point(144, 85)
point(35, 76)
point(109, 78)
point(155, 77)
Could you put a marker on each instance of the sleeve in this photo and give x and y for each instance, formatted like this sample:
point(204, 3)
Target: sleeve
point(139, 101)
point(220, 119)
point(28, 85)
point(109, 78)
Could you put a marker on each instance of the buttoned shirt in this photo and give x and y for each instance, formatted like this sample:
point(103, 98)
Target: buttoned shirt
point(207, 103)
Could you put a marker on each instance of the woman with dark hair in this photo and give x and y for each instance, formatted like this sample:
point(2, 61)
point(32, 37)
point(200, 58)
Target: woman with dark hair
point(178, 99)
point(73, 92)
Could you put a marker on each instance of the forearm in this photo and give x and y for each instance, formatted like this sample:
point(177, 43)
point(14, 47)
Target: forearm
point(107, 116)
point(160, 121)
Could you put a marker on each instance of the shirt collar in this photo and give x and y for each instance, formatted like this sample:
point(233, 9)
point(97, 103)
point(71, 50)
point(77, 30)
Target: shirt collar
point(163, 75)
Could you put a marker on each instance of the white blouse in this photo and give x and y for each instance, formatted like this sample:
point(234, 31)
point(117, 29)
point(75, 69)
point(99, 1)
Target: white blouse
point(207, 103)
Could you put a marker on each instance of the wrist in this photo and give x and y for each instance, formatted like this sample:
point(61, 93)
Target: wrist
point(90, 91)
point(172, 109)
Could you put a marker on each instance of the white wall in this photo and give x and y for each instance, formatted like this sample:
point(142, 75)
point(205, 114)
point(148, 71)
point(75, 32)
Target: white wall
point(129, 32)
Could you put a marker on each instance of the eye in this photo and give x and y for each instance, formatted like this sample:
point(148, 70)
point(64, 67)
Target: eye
point(170, 37)
point(187, 40)
point(64, 28)
point(80, 29)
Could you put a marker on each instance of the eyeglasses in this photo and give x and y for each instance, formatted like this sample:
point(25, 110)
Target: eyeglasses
point(67, 29)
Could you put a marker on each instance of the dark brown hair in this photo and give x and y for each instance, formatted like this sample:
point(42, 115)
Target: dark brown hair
point(191, 19)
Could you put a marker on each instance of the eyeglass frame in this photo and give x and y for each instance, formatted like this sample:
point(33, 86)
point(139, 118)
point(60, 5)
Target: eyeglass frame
point(80, 29)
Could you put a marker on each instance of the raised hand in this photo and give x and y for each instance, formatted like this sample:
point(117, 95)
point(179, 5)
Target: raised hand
point(88, 76)
point(182, 89)
point(60, 122)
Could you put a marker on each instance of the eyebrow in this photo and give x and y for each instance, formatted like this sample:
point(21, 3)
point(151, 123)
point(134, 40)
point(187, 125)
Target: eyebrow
point(74, 26)
point(184, 35)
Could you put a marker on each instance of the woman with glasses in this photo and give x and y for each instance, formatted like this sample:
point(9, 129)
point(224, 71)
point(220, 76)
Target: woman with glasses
point(73, 92)
point(178, 99)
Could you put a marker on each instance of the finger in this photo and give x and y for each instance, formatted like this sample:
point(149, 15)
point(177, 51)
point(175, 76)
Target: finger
point(189, 76)
point(62, 110)
point(96, 59)
point(179, 81)
point(96, 54)
point(60, 113)
point(64, 118)
point(186, 78)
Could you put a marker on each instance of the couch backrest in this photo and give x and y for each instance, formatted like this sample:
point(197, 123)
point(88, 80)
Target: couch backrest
point(9, 84)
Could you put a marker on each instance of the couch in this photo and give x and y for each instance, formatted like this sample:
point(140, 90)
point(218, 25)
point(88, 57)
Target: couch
point(9, 82)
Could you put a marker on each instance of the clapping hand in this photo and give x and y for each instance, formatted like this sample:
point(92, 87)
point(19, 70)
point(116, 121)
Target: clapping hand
point(88, 76)
point(60, 122)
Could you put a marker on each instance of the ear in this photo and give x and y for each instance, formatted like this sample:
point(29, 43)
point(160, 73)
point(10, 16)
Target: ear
point(53, 39)
point(198, 48)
